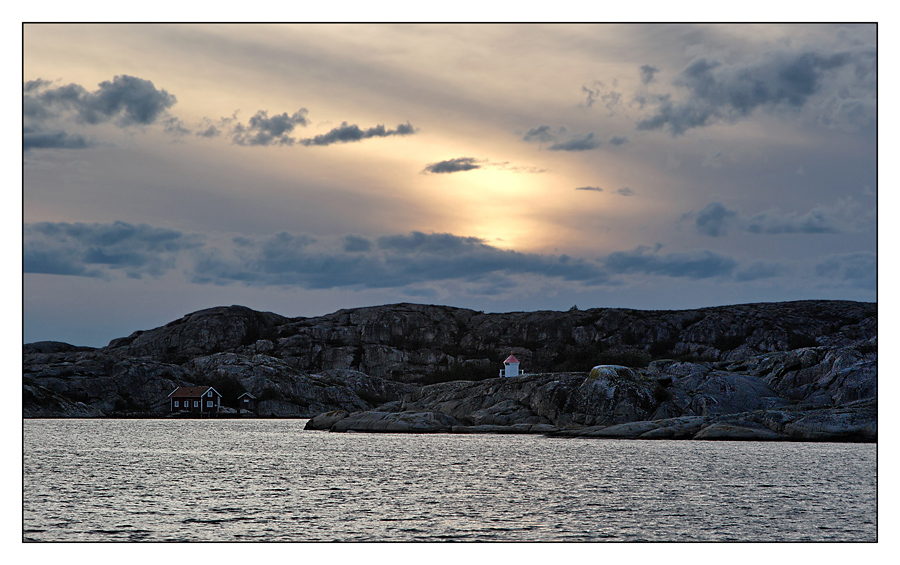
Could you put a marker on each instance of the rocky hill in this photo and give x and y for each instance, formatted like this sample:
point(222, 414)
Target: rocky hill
point(443, 363)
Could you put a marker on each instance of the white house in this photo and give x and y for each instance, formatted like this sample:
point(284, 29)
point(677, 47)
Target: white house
point(510, 367)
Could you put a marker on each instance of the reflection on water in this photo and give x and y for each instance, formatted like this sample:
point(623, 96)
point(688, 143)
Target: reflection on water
point(270, 480)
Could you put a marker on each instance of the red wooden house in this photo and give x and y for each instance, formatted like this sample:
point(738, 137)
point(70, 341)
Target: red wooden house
point(203, 400)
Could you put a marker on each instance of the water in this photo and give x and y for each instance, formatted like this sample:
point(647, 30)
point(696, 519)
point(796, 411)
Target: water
point(270, 480)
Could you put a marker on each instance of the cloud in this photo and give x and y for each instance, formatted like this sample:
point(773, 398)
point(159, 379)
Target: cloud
point(414, 262)
point(127, 99)
point(858, 269)
point(564, 141)
point(357, 244)
point(648, 74)
point(577, 143)
point(92, 249)
point(541, 134)
point(454, 165)
point(719, 92)
point(461, 164)
point(598, 92)
point(175, 126)
point(211, 131)
point(262, 130)
point(593, 188)
point(696, 265)
point(713, 220)
point(55, 262)
point(35, 85)
point(289, 260)
point(347, 133)
point(817, 220)
point(396, 261)
point(36, 139)
point(625, 191)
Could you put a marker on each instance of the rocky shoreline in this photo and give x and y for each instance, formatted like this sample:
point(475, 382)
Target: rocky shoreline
point(799, 371)
point(856, 423)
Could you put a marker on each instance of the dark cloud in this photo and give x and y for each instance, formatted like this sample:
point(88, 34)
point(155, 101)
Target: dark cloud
point(563, 141)
point(454, 165)
point(858, 269)
point(577, 143)
point(643, 260)
point(713, 220)
point(398, 261)
point(347, 133)
point(648, 73)
point(133, 100)
point(625, 191)
point(422, 257)
point(439, 243)
point(55, 262)
point(598, 92)
point(127, 99)
point(175, 126)
point(541, 134)
point(720, 92)
point(357, 244)
point(34, 139)
point(35, 85)
point(211, 131)
point(153, 238)
point(461, 164)
point(90, 249)
point(594, 188)
point(263, 130)
point(816, 221)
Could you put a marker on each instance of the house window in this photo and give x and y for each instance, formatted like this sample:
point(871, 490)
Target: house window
point(209, 403)
point(196, 403)
point(176, 404)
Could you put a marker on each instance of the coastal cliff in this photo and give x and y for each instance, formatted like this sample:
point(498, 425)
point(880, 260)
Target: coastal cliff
point(794, 370)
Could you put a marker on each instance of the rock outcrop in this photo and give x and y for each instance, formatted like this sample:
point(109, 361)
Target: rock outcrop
point(423, 344)
point(796, 370)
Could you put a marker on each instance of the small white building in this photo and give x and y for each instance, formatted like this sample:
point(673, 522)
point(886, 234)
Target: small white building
point(510, 367)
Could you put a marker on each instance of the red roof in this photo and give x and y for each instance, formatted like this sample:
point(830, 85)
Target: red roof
point(191, 391)
point(511, 359)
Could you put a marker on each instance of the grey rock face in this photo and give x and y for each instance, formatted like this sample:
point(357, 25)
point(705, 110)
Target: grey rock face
point(40, 402)
point(426, 344)
point(405, 422)
point(108, 385)
point(103, 383)
point(201, 333)
point(801, 370)
point(730, 431)
point(325, 420)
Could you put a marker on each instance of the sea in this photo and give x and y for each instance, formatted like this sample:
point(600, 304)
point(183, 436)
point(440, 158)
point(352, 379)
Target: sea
point(123, 480)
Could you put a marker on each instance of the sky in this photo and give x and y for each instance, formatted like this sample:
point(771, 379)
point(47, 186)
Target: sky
point(301, 169)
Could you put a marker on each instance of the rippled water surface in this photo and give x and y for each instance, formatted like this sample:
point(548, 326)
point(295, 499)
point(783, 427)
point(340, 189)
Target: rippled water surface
point(270, 480)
